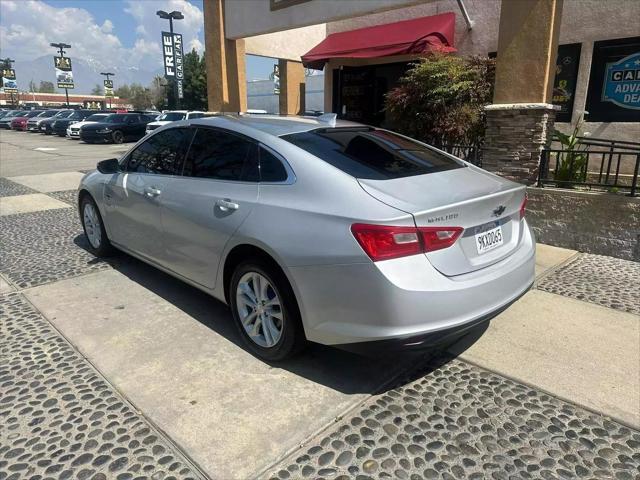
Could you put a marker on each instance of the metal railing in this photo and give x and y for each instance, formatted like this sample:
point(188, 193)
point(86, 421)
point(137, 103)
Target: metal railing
point(607, 167)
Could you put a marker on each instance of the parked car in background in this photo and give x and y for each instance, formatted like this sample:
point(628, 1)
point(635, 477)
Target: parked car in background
point(33, 125)
point(175, 116)
point(20, 122)
point(116, 128)
point(59, 127)
point(5, 122)
point(4, 113)
point(320, 230)
point(73, 130)
point(45, 125)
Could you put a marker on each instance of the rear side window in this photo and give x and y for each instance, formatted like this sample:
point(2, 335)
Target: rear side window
point(365, 152)
point(271, 168)
point(162, 154)
point(221, 156)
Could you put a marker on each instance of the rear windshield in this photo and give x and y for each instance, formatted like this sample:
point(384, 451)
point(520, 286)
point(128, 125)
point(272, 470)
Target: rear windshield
point(171, 116)
point(372, 154)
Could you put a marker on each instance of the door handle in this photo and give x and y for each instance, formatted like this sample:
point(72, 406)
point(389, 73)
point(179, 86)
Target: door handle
point(227, 205)
point(152, 192)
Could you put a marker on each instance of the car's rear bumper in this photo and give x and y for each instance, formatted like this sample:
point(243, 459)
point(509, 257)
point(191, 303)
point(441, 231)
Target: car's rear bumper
point(406, 301)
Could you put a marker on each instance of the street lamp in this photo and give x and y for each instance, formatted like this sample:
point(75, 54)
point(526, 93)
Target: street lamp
point(6, 63)
point(61, 47)
point(175, 15)
point(107, 74)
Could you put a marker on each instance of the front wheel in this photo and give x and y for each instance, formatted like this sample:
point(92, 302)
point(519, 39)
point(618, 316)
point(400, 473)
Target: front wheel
point(93, 227)
point(265, 311)
point(117, 136)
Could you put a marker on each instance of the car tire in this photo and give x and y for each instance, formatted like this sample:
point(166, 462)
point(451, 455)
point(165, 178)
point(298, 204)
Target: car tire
point(290, 338)
point(117, 136)
point(97, 240)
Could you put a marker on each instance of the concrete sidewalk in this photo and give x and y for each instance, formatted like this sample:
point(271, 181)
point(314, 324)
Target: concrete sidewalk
point(172, 351)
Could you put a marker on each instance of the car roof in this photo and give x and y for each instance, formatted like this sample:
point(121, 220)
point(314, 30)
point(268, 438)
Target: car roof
point(273, 124)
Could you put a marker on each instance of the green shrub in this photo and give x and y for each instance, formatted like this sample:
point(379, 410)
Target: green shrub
point(441, 99)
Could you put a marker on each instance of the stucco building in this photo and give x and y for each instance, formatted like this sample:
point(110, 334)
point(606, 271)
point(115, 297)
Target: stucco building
point(555, 60)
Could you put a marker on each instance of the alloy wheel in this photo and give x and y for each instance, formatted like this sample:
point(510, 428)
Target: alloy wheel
point(92, 225)
point(259, 309)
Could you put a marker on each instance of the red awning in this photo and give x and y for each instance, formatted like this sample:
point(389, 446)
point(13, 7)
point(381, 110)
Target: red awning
point(415, 36)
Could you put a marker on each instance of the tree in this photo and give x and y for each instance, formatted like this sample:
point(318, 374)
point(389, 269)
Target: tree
point(195, 82)
point(140, 97)
point(441, 99)
point(158, 91)
point(97, 90)
point(123, 92)
point(46, 87)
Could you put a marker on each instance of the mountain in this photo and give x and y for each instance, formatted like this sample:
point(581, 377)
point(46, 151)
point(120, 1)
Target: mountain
point(86, 74)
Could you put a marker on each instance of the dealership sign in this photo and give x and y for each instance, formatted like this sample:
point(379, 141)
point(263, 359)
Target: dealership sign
point(173, 59)
point(9, 80)
point(64, 75)
point(622, 82)
point(108, 88)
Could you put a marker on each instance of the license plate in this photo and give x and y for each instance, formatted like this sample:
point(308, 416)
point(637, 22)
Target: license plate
point(489, 240)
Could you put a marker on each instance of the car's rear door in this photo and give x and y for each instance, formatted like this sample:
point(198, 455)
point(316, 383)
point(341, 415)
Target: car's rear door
point(202, 209)
point(132, 197)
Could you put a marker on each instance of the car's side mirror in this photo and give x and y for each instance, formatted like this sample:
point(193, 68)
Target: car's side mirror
point(109, 166)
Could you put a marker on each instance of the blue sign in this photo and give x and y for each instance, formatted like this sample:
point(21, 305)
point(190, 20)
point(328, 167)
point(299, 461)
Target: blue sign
point(622, 82)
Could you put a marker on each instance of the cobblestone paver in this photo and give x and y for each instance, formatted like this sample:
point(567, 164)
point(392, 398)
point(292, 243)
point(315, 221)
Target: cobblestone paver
point(45, 246)
point(607, 281)
point(459, 421)
point(59, 419)
point(67, 196)
point(11, 189)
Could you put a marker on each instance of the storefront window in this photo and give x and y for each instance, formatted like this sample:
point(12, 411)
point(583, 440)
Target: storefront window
point(564, 84)
point(614, 83)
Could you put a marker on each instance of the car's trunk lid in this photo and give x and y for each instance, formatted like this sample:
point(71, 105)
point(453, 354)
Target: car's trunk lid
point(464, 197)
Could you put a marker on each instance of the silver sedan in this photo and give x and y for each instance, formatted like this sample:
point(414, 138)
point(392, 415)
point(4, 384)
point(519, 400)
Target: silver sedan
point(316, 229)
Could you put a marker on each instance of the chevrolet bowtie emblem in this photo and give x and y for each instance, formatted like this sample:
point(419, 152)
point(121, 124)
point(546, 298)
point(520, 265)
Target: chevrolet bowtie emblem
point(499, 211)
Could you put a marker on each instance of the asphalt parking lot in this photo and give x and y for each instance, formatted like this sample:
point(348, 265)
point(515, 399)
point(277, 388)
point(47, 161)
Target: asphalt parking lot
point(112, 369)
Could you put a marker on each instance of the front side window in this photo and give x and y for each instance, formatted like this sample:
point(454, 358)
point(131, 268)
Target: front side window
point(368, 153)
point(162, 154)
point(221, 156)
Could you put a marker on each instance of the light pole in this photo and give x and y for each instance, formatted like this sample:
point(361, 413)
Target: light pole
point(175, 15)
point(62, 46)
point(6, 63)
point(107, 74)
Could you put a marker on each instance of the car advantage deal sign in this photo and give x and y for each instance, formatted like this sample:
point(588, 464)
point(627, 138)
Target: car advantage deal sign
point(9, 80)
point(64, 75)
point(173, 59)
point(622, 82)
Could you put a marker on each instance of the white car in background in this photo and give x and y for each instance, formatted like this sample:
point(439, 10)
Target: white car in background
point(73, 130)
point(174, 116)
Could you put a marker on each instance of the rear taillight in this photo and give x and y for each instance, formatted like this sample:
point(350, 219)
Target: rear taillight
point(523, 206)
point(382, 242)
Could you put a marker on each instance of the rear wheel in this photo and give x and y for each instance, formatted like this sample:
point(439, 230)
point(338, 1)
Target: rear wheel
point(265, 311)
point(117, 136)
point(93, 227)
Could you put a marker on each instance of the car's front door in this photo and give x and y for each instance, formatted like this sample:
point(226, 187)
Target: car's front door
point(133, 196)
point(202, 209)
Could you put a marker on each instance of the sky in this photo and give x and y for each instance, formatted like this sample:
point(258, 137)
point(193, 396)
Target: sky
point(120, 32)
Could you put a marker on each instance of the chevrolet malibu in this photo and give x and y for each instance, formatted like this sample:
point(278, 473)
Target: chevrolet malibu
point(316, 229)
